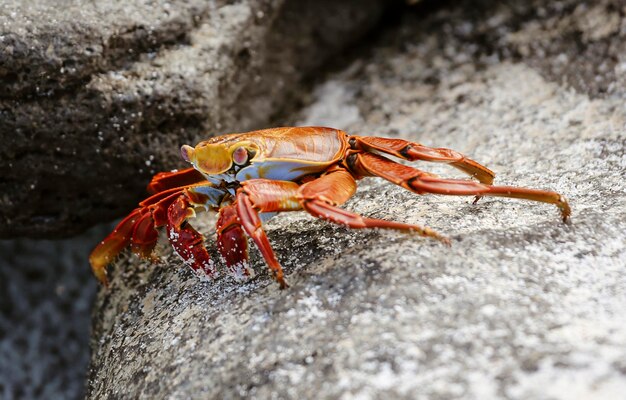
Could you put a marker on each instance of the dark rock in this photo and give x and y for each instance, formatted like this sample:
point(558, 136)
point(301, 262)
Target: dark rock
point(521, 306)
point(99, 96)
point(46, 296)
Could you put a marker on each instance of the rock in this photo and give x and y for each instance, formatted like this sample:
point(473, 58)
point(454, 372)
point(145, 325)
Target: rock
point(46, 296)
point(99, 96)
point(521, 306)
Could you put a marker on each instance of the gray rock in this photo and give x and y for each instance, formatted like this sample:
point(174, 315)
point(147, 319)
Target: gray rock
point(46, 296)
point(98, 96)
point(520, 307)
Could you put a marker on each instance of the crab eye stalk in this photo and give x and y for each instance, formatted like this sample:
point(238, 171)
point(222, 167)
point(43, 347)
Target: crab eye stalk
point(186, 152)
point(240, 156)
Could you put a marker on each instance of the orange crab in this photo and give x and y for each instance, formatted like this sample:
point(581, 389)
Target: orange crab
point(246, 176)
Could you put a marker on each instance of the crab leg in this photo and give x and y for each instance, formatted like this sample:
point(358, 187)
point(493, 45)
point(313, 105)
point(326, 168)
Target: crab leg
point(251, 223)
point(112, 245)
point(422, 182)
point(414, 151)
point(232, 242)
point(318, 197)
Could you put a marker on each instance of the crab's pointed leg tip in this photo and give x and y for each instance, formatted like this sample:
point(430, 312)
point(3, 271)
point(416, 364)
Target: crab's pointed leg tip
point(566, 214)
point(476, 198)
point(99, 271)
point(102, 278)
point(566, 210)
point(282, 284)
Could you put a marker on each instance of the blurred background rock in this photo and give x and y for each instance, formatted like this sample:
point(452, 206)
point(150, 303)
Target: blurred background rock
point(46, 295)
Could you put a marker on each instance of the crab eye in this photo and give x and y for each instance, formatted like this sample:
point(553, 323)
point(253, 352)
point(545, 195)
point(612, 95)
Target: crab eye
point(186, 152)
point(240, 156)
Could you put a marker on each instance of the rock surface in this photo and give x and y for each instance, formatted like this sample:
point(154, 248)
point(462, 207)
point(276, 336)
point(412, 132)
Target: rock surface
point(98, 96)
point(520, 307)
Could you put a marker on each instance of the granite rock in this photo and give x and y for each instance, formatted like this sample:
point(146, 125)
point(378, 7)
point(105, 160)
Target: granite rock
point(521, 306)
point(98, 96)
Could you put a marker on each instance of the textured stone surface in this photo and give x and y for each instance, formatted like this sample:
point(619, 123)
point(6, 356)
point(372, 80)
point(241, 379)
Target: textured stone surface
point(98, 96)
point(520, 307)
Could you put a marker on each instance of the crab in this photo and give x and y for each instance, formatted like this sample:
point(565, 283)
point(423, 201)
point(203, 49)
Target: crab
point(247, 177)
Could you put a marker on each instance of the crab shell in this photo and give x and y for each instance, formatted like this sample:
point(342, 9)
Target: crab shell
point(285, 154)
